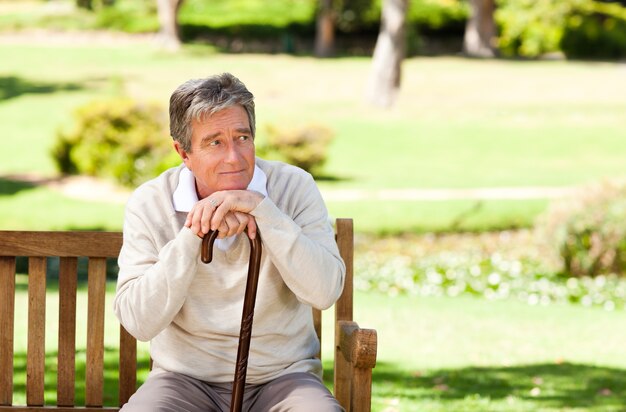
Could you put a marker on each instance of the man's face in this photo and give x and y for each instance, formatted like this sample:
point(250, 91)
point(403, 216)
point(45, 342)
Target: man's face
point(222, 151)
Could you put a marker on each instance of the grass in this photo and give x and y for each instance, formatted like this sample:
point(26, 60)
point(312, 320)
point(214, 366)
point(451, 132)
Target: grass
point(467, 354)
point(386, 217)
point(531, 124)
point(435, 354)
point(30, 207)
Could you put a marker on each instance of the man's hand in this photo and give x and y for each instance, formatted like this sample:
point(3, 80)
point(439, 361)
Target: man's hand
point(226, 211)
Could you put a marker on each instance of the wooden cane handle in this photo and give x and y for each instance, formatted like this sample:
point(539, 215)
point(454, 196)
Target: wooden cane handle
point(206, 251)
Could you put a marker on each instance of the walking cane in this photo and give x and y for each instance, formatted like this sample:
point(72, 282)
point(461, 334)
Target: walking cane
point(248, 312)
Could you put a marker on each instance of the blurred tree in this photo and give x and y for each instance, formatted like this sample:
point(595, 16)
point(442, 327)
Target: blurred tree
point(384, 81)
point(480, 30)
point(93, 4)
point(85, 4)
point(325, 31)
point(168, 21)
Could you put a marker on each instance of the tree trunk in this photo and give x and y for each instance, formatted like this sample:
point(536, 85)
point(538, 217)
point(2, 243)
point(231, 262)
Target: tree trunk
point(169, 33)
point(325, 32)
point(85, 4)
point(480, 31)
point(384, 81)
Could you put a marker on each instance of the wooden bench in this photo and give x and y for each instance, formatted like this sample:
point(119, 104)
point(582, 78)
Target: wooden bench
point(355, 348)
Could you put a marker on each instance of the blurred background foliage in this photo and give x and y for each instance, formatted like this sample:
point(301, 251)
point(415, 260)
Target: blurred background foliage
point(304, 146)
point(589, 230)
point(587, 29)
point(121, 137)
point(575, 253)
point(118, 138)
point(579, 28)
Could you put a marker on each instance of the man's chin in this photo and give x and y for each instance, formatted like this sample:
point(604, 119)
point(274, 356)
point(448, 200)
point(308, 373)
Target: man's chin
point(235, 186)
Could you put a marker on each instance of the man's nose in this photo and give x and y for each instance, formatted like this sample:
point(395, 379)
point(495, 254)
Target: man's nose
point(233, 154)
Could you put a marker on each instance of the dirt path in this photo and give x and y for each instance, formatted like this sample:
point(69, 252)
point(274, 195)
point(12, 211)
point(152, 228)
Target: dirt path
point(93, 189)
point(77, 187)
point(485, 193)
point(46, 37)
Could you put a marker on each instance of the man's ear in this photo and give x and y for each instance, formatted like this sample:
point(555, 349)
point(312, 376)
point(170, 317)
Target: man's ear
point(182, 153)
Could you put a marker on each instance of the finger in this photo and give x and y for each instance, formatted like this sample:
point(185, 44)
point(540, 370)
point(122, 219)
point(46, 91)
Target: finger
point(205, 218)
point(200, 219)
point(222, 229)
point(194, 221)
point(219, 214)
point(189, 218)
point(233, 224)
point(252, 228)
point(242, 218)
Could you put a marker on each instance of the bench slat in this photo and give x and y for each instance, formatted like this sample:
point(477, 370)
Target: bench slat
point(36, 357)
point(32, 243)
point(317, 323)
point(345, 243)
point(343, 311)
point(96, 289)
point(128, 365)
point(67, 331)
point(7, 316)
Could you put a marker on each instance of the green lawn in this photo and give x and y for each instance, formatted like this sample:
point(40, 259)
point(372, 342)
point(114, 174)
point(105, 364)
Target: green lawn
point(458, 124)
point(438, 354)
point(467, 354)
point(30, 207)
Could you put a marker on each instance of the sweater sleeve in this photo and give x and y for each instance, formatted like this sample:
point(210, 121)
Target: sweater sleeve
point(302, 246)
point(153, 281)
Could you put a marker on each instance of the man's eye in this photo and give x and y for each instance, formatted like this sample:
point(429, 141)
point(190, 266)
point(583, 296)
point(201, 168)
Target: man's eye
point(243, 138)
point(214, 143)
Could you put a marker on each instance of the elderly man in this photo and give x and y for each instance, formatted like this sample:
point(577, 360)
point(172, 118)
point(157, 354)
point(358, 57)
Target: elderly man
point(191, 312)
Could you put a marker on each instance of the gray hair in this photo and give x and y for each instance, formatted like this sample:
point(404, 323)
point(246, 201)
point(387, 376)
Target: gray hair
point(201, 97)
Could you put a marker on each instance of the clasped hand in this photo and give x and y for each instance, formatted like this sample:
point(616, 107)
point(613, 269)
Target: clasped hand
point(226, 211)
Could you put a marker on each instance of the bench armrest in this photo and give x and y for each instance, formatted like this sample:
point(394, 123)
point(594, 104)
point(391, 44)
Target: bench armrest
point(355, 357)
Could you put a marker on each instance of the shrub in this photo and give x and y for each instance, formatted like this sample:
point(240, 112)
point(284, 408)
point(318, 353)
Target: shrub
point(579, 28)
point(117, 138)
point(530, 28)
point(596, 35)
point(305, 147)
point(589, 231)
point(137, 16)
point(435, 15)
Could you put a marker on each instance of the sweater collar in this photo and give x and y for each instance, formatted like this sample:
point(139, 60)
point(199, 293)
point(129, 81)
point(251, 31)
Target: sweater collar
point(185, 195)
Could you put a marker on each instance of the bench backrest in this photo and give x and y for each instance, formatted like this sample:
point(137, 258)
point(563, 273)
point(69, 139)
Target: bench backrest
point(97, 247)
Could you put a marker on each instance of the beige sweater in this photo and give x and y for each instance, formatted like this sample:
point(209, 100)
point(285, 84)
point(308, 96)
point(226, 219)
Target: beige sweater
point(191, 312)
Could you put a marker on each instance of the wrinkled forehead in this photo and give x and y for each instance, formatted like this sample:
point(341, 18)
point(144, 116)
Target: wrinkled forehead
point(233, 115)
point(233, 118)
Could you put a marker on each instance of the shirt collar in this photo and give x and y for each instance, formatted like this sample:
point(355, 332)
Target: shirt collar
point(185, 195)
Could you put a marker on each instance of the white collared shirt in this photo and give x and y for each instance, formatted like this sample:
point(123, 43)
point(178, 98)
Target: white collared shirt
point(185, 196)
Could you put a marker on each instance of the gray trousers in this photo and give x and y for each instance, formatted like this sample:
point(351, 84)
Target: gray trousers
point(165, 391)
